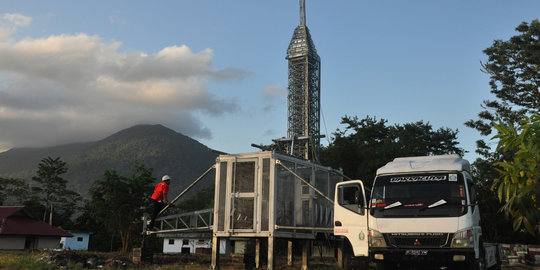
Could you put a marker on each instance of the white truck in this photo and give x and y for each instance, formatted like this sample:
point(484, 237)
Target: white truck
point(422, 211)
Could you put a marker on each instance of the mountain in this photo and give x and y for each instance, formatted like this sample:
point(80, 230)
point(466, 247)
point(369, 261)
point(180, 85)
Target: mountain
point(156, 146)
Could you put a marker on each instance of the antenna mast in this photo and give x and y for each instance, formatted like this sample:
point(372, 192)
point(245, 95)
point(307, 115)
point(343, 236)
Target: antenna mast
point(302, 12)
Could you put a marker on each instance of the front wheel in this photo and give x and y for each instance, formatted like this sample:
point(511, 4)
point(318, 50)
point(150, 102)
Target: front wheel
point(384, 265)
point(496, 267)
point(350, 262)
point(479, 264)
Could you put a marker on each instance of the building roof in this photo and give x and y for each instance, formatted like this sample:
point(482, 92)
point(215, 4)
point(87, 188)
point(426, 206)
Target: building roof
point(6, 211)
point(14, 220)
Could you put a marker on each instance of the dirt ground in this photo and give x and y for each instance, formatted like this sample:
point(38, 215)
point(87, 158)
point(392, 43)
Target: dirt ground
point(203, 261)
point(196, 262)
point(93, 260)
point(521, 267)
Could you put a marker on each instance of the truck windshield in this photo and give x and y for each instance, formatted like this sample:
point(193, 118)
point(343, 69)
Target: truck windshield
point(419, 195)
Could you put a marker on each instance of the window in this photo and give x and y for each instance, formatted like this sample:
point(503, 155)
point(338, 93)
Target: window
point(185, 242)
point(79, 239)
point(419, 195)
point(473, 194)
point(351, 197)
point(171, 241)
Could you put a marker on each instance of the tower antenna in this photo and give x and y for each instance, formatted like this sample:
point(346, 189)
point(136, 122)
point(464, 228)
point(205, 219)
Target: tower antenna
point(303, 95)
point(302, 12)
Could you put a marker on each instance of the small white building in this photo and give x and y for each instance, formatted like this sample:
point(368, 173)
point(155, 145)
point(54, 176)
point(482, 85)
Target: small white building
point(200, 246)
point(19, 230)
point(79, 241)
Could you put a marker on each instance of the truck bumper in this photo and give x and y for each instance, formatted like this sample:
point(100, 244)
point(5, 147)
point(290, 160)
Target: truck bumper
point(419, 256)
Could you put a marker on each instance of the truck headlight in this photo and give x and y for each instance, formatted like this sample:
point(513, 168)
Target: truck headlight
point(376, 239)
point(463, 239)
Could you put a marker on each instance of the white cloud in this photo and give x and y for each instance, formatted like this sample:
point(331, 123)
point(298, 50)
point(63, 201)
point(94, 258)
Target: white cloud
point(273, 91)
point(113, 19)
point(10, 23)
point(17, 19)
point(68, 88)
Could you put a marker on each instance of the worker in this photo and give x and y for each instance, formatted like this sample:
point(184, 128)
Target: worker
point(159, 198)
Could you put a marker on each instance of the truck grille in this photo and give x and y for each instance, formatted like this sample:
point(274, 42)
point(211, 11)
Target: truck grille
point(417, 240)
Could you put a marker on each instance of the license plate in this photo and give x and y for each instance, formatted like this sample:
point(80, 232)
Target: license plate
point(416, 252)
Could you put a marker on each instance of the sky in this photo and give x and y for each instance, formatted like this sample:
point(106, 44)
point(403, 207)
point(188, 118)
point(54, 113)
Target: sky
point(78, 71)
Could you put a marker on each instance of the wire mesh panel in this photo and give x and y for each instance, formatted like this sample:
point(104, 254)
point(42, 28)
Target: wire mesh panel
point(285, 194)
point(266, 193)
point(244, 178)
point(304, 197)
point(221, 190)
point(322, 181)
point(265, 190)
point(243, 195)
point(334, 179)
point(322, 206)
point(242, 217)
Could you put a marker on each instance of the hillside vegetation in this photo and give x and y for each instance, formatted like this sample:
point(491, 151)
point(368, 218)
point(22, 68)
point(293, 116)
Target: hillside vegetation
point(156, 146)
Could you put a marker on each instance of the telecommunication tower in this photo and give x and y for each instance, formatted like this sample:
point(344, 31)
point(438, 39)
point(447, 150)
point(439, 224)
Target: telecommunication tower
point(304, 91)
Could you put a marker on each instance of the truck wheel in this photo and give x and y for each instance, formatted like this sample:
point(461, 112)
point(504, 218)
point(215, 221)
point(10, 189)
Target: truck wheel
point(478, 265)
point(382, 265)
point(347, 262)
point(353, 263)
point(350, 262)
point(496, 267)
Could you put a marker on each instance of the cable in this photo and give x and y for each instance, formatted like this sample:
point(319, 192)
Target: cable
point(325, 130)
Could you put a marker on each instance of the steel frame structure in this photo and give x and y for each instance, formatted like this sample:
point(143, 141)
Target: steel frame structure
point(201, 220)
point(304, 90)
point(267, 195)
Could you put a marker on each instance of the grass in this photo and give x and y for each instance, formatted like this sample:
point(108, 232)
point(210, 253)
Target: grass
point(42, 259)
point(77, 260)
point(23, 260)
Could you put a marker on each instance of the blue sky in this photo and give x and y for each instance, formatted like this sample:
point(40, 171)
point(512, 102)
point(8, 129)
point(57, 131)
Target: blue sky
point(73, 71)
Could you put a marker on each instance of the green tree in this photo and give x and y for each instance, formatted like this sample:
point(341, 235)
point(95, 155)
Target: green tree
point(118, 202)
point(368, 144)
point(52, 189)
point(12, 190)
point(517, 185)
point(513, 66)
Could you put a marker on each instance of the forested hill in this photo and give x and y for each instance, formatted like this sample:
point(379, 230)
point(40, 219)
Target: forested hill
point(156, 146)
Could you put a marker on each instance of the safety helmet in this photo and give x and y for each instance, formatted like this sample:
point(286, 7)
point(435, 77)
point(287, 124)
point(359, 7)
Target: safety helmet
point(165, 178)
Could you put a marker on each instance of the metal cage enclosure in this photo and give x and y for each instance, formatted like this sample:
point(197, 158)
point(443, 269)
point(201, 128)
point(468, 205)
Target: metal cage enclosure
point(257, 195)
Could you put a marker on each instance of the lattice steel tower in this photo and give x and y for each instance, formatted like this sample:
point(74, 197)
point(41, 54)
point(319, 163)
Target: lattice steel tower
point(304, 91)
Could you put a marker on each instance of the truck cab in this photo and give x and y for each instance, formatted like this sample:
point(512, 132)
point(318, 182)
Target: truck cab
point(425, 209)
point(422, 211)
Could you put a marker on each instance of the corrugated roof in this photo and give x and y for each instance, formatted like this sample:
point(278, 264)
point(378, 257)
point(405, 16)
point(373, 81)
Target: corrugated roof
point(15, 221)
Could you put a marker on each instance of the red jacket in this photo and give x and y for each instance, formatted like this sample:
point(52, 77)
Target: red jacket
point(161, 188)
